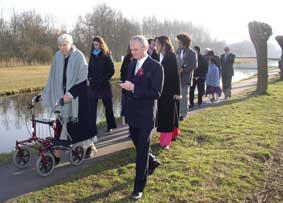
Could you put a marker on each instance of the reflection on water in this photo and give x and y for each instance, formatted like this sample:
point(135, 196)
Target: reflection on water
point(14, 114)
point(13, 110)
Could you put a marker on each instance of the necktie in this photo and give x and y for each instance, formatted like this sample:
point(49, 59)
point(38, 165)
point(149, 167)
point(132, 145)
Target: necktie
point(182, 54)
point(137, 67)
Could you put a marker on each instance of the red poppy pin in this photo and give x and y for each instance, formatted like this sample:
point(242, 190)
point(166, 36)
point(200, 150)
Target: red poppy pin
point(140, 72)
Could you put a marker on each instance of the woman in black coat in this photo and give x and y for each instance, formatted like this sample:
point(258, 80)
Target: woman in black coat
point(100, 71)
point(123, 75)
point(168, 104)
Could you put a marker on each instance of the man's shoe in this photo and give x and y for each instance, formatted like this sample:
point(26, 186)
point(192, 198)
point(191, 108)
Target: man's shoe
point(152, 166)
point(109, 130)
point(136, 195)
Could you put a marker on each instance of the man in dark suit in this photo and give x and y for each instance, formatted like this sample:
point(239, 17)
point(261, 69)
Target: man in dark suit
point(151, 49)
point(198, 78)
point(143, 87)
point(227, 71)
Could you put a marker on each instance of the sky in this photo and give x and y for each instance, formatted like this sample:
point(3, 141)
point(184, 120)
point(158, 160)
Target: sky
point(225, 20)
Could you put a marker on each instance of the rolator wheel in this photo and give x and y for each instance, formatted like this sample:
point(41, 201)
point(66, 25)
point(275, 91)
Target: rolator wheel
point(22, 157)
point(76, 155)
point(45, 164)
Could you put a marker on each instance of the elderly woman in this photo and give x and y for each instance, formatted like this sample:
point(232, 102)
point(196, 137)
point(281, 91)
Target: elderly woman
point(68, 80)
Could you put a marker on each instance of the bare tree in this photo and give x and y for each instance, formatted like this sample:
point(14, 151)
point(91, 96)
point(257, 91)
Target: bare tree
point(260, 33)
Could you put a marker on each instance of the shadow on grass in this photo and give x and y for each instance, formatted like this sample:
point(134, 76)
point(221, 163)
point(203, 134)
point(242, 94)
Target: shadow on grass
point(109, 192)
point(109, 162)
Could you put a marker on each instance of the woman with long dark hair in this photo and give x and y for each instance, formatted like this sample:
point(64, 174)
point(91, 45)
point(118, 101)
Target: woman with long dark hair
point(100, 71)
point(168, 104)
point(123, 76)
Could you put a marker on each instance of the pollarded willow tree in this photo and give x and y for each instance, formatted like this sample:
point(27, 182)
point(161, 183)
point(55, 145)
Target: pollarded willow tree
point(279, 39)
point(260, 33)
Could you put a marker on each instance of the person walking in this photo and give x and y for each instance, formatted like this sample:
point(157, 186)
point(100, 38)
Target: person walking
point(198, 78)
point(168, 103)
point(68, 80)
point(227, 71)
point(143, 87)
point(187, 63)
point(100, 71)
point(213, 89)
point(123, 76)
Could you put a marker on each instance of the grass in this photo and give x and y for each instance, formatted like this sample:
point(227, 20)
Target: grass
point(15, 80)
point(219, 157)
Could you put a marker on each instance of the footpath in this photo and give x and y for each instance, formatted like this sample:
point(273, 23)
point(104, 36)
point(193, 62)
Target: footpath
point(15, 182)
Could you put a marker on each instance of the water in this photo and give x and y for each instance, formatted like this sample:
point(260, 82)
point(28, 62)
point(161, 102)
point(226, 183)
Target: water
point(15, 118)
point(14, 113)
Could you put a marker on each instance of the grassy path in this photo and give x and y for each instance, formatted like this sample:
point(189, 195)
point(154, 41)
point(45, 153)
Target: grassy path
point(220, 157)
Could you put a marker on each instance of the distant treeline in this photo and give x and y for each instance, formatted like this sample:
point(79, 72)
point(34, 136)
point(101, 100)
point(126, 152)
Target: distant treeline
point(29, 38)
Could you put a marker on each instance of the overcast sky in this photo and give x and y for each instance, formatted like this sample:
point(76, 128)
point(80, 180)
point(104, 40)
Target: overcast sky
point(225, 20)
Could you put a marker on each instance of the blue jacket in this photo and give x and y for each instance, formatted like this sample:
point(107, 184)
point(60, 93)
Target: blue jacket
point(212, 76)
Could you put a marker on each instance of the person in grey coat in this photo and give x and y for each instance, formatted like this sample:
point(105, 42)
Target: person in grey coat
point(187, 63)
point(227, 71)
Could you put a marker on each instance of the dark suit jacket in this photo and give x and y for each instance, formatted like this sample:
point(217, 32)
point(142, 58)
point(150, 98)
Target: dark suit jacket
point(202, 68)
point(227, 66)
point(141, 104)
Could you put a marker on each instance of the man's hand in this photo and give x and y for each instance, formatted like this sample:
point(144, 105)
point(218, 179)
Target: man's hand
point(177, 97)
point(67, 97)
point(127, 85)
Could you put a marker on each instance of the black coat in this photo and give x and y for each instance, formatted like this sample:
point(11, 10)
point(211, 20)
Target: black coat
point(124, 68)
point(154, 55)
point(100, 71)
point(202, 67)
point(167, 114)
point(81, 130)
point(141, 105)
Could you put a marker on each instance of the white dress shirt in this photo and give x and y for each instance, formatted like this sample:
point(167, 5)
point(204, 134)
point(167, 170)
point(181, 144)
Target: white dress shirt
point(140, 63)
point(161, 57)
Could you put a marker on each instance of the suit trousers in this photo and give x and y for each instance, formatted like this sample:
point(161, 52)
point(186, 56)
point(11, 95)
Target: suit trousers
point(108, 104)
point(141, 139)
point(227, 85)
point(199, 83)
point(184, 101)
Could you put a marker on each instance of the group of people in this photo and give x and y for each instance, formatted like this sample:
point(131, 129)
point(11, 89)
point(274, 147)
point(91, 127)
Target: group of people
point(155, 82)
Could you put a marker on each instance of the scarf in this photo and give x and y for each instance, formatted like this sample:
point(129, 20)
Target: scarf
point(96, 52)
point(77, 71)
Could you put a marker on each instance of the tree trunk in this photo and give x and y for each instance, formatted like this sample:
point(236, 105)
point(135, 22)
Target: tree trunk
point(279, 39)
point(262, 68)
point(260, 33)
